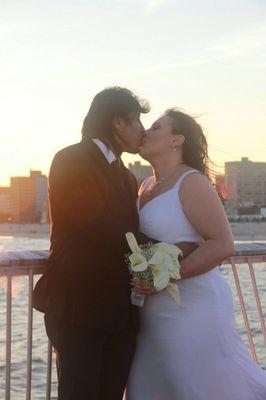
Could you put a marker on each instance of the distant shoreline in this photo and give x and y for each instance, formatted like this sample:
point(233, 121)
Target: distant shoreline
point(250, 231)
point(28, 230)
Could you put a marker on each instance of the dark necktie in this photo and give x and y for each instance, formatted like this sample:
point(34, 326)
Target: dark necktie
point(117, 169)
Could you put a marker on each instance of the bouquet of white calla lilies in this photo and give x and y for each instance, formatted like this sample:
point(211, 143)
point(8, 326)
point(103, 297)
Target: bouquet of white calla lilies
point(154, 265)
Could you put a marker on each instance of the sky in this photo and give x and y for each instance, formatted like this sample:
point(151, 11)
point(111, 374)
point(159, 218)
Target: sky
point(207, 57)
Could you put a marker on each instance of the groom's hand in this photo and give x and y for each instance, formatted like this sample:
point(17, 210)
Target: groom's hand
point(187, 247)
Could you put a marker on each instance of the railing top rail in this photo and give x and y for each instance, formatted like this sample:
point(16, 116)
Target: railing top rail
point(14, 258)
point(250, 249)
point(22, 259)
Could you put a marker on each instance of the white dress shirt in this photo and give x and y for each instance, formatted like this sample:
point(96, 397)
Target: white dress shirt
point(109, 155)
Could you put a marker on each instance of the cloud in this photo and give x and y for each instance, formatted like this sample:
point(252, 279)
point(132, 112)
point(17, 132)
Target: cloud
point(155, 3)
point(243, 43)
point(249, 43)
point(244, 48)
point(146, 4)
point(163, 67)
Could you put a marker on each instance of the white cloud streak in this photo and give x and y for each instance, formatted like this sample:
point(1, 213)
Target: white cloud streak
point(247, 48)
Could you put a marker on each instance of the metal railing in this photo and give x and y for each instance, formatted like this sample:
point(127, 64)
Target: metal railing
point(249, 254)
point(31, 263)
point(23, 263)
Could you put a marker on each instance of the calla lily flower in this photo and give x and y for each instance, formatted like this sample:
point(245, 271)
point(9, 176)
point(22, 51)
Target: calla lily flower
point(160, 277)
point(138, 262)
point(170, 249)
point(131, 240)
point(174, 252)
point(172, 289)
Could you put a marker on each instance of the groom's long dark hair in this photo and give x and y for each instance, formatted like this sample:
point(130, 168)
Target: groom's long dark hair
point(107, 104)
point(195, 147)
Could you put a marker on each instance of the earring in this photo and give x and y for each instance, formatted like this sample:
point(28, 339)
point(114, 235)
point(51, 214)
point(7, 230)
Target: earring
point(174, 148)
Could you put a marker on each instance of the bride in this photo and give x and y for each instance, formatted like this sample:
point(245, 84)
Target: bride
point(191, 351)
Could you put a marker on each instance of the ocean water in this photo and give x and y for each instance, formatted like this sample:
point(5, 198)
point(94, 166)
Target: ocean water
point(39, 349)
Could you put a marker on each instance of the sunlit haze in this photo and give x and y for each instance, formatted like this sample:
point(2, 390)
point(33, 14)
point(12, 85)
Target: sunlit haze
point(207, 57)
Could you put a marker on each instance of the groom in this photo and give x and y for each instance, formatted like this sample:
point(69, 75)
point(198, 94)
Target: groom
point(85, 293)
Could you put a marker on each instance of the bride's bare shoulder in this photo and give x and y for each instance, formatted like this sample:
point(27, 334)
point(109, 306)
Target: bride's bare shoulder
point(196, 179)
point(196, 184)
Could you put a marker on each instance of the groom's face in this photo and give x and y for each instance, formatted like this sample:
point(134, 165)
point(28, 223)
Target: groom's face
point(129, 132)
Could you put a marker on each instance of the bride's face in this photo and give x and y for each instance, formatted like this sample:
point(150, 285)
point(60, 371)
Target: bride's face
point(158, 139)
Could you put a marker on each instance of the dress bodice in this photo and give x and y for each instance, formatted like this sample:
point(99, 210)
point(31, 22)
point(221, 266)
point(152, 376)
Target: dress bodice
point(163, 218)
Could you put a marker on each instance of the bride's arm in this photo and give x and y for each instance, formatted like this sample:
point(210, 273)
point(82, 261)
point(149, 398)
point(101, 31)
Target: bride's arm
point(205, 211)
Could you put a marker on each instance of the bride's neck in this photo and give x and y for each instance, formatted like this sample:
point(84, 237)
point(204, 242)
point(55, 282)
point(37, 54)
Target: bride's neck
point(164, 165)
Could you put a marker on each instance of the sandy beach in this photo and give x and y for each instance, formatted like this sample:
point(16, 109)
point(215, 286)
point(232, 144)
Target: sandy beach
point(250, 231)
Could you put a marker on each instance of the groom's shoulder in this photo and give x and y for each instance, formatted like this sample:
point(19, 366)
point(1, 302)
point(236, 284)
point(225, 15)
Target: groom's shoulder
point(69, 160)
point(68, 151)
point(71, 153)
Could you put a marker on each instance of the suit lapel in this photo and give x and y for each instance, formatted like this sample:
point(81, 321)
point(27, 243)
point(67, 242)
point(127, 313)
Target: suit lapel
point(102, 164)
point(129, 188)
point(125, 196)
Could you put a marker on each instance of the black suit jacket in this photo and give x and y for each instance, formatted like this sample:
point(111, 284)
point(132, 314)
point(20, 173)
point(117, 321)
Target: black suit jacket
point(87, 282)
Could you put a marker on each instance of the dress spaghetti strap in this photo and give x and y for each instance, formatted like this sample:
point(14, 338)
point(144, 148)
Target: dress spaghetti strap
point(181, 178)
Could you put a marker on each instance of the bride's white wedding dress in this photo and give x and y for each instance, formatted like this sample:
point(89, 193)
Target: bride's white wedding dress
point(191, 351)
